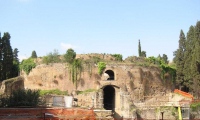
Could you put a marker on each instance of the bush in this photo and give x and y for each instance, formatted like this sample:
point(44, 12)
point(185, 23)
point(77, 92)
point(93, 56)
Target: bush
point(27, 65)
point(52, 57)
point(21, 98)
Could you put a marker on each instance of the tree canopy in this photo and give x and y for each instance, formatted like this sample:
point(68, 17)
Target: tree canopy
point(187, 60)
point(8, 58)
point(70, 56)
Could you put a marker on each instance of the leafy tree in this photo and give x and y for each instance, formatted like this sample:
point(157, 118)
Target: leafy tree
point(143, 54)
point(139, 49)
point(70, 56)
point(165, 58)
point(33, 55)
point(27, 65)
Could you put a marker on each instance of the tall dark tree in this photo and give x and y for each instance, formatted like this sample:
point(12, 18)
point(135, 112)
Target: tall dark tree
point(15, 55)
point(7, 56)
point(165, 58)
point(189, 63)
point(33, 55)
point(15, 69)
point(139, 49)
point(180, 60)
point(196, 60)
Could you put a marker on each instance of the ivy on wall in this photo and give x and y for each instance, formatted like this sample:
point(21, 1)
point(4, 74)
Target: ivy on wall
point(101, 67)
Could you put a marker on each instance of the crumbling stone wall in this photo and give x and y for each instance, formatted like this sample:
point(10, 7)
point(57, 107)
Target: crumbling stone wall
point(7, 86)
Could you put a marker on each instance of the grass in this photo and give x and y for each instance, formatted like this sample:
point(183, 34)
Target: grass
point(54, 92)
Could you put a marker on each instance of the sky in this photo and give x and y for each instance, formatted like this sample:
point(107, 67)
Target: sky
point(97, 26)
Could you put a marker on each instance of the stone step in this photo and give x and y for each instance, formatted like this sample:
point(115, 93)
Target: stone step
point(102, 114)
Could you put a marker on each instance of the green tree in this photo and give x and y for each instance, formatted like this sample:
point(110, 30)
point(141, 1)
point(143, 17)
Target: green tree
point(180, 60)
point(189, 65)
point(52, 57)
point(15, 55)
point(196, 60)
point(15, 69)
point(33, 55)
point(27, 65)
point(143, 54)
point(70, 56)
point(165, 58)
point(139, 49)
point(7, 56)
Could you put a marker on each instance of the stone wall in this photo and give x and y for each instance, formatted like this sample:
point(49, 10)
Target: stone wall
point(132, 83)
point(7, 86)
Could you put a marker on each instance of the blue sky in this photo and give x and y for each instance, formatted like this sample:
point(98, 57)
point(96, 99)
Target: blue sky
point(97, 26)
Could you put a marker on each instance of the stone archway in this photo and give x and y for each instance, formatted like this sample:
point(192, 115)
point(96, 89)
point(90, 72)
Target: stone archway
point(111, 75)
point(109, 97)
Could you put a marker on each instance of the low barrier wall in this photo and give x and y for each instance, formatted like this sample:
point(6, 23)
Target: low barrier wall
point(46, 114)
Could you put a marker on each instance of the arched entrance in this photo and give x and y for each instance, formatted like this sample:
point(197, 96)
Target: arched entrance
point(109, 97)
point(110, 74)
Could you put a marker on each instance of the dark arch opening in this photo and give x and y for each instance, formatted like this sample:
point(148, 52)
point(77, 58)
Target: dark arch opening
point(109, 97)
point(111, 74)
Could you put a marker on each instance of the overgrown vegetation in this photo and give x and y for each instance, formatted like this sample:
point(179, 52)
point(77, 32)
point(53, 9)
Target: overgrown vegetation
point(101, 67)
point(195, 106)
point(75, 66)
point(21, 98)
point(163, 64)
point(27, 65)
point(52, 57)
point(52, 92)
point(117, 57)
point(86, 91)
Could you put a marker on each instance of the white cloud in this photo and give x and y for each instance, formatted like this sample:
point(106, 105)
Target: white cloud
point(66, 46)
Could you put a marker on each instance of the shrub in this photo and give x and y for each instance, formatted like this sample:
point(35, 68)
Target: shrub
point(21, 98)
point(27, 65)
point(55, 91)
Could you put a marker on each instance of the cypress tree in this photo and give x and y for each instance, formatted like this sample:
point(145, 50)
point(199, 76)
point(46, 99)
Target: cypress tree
point(139, 49)
point(34, 55)
point(180, 60)
point(189, 64)
point(15, 68)
point(7, 55)
point(196, 60)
